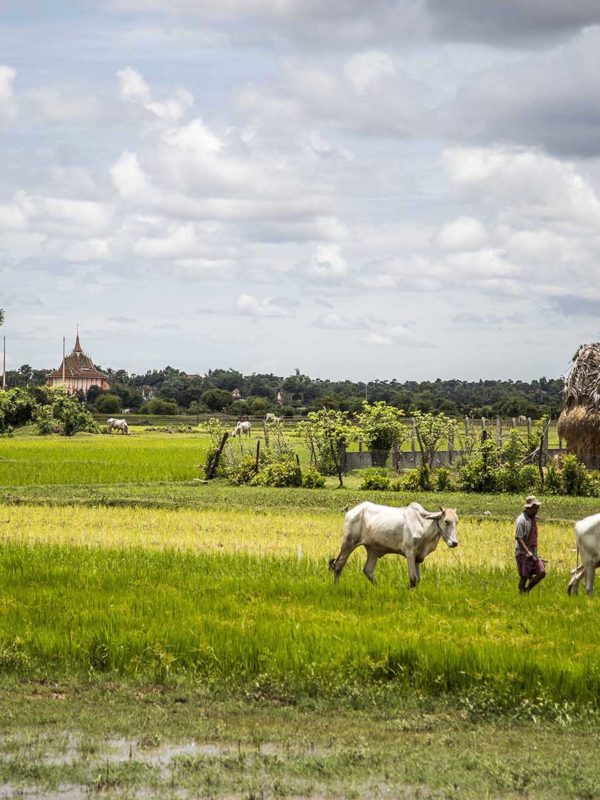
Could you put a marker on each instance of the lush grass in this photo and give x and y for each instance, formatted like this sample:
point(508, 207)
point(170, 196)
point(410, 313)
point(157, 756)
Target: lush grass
point(238, 599)
point(88, 459)
point(219, 495)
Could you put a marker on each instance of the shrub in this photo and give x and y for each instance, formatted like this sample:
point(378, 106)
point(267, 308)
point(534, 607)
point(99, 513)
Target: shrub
point(576, 479)
point(312, 479)
point(241, 473)
point(443, 480)
point(375, 479)
point(285, 472)
point(529, 477)
point(109, 404)
point(480, 473)
point(159, 406)
point(553, 478)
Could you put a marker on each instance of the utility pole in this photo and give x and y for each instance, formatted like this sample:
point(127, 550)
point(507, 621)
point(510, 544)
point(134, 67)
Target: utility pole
point(63, 363)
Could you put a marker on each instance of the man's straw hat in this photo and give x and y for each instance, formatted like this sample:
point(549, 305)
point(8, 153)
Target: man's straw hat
point(531, 501)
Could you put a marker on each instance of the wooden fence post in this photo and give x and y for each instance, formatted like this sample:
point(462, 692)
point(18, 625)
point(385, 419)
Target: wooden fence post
point(257, 462)
point(215, 459)
point(498, 431)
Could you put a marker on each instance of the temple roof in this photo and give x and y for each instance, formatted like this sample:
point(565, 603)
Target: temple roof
point(77, 365)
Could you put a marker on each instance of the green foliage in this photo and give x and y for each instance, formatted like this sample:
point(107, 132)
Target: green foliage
point(65, 414)
point(215, 429)
point(216, 399)
point(281, 473)
point(17, 407)
point(575, 478)
point(442, 480)
point(327, 433)
point(553, 479)
point(109, 404)
point(381, 426)
point(242, 472)
point(312, 479)
point(159, 406)
point(374, 479)
point(480, 473)
point(529, 480)
point(431, 430)
point(417, 480)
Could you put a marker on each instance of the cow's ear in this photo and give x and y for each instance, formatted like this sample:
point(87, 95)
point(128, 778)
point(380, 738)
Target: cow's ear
point(434, 514)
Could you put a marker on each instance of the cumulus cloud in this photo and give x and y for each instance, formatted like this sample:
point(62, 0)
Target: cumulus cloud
point(327, 263)
point(134, 88)
point(368, 94)
point(251, 306)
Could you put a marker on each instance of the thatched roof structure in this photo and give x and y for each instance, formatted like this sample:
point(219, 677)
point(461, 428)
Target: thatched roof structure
point(579, 422)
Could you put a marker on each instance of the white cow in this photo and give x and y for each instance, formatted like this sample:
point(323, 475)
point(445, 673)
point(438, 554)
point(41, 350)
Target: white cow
point(241, 428)
point(409, 531)
point(272, 418)
point(587, 537)
point(117, 425)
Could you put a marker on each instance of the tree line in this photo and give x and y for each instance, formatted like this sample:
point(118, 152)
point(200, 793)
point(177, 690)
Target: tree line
point(172, 391)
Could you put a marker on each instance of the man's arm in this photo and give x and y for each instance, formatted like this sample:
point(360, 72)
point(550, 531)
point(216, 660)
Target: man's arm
point(521, 533)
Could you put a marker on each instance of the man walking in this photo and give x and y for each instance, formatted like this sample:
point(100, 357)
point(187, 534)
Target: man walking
point(529, 564)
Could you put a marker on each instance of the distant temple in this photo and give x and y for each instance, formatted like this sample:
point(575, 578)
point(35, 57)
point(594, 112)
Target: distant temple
point(77, 373)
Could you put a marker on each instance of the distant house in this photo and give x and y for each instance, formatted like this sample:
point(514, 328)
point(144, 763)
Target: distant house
point(148, 392)
point(77, 373)
point(236, 394)
point(280, 398)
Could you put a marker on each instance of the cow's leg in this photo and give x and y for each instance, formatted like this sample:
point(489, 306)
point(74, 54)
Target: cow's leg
point(576, 576)
point(369, 568)
point(413, 573)
point(338, 564)
point(590, 574)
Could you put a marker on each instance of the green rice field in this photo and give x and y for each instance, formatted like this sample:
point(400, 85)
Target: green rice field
point(125, 580)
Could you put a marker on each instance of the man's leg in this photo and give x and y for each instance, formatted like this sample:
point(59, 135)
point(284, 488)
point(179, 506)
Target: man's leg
point(535, 579)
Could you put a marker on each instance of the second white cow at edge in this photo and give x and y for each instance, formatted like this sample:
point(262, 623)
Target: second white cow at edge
point(410, 531)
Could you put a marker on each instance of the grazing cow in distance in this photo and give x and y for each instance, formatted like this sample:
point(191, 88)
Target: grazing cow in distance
point(587, 536)
point(241, 428)
point(270, 417)
point(117, 425)
point(522, 420)
point(410, 531)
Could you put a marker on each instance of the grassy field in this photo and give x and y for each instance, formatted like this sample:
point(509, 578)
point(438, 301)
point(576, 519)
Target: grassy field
point(167, 638)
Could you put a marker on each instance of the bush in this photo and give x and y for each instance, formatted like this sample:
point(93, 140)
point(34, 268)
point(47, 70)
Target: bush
point(282, 473)
point(480, 473)
point(312, 479)
point(529, 477)
point(576, 480)
point(159, 406)
point(241, 473)
point(109, 404)
point(442, 480)
point(375, 479)
point(418, 480)
point(553, 478)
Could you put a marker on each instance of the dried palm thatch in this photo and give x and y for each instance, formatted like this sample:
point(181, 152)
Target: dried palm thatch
point(579, 422)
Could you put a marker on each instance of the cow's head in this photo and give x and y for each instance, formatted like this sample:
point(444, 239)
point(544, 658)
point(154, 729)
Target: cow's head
point(446, 520)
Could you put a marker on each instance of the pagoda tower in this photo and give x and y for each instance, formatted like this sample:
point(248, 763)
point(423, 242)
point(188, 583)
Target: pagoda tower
point(77, 372)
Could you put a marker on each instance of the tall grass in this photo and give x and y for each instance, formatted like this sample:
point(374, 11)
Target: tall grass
point(240, 618)
point(87, 459)
point(243, 599)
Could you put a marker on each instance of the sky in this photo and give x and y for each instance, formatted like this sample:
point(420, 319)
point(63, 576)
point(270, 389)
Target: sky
point(401, 189)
